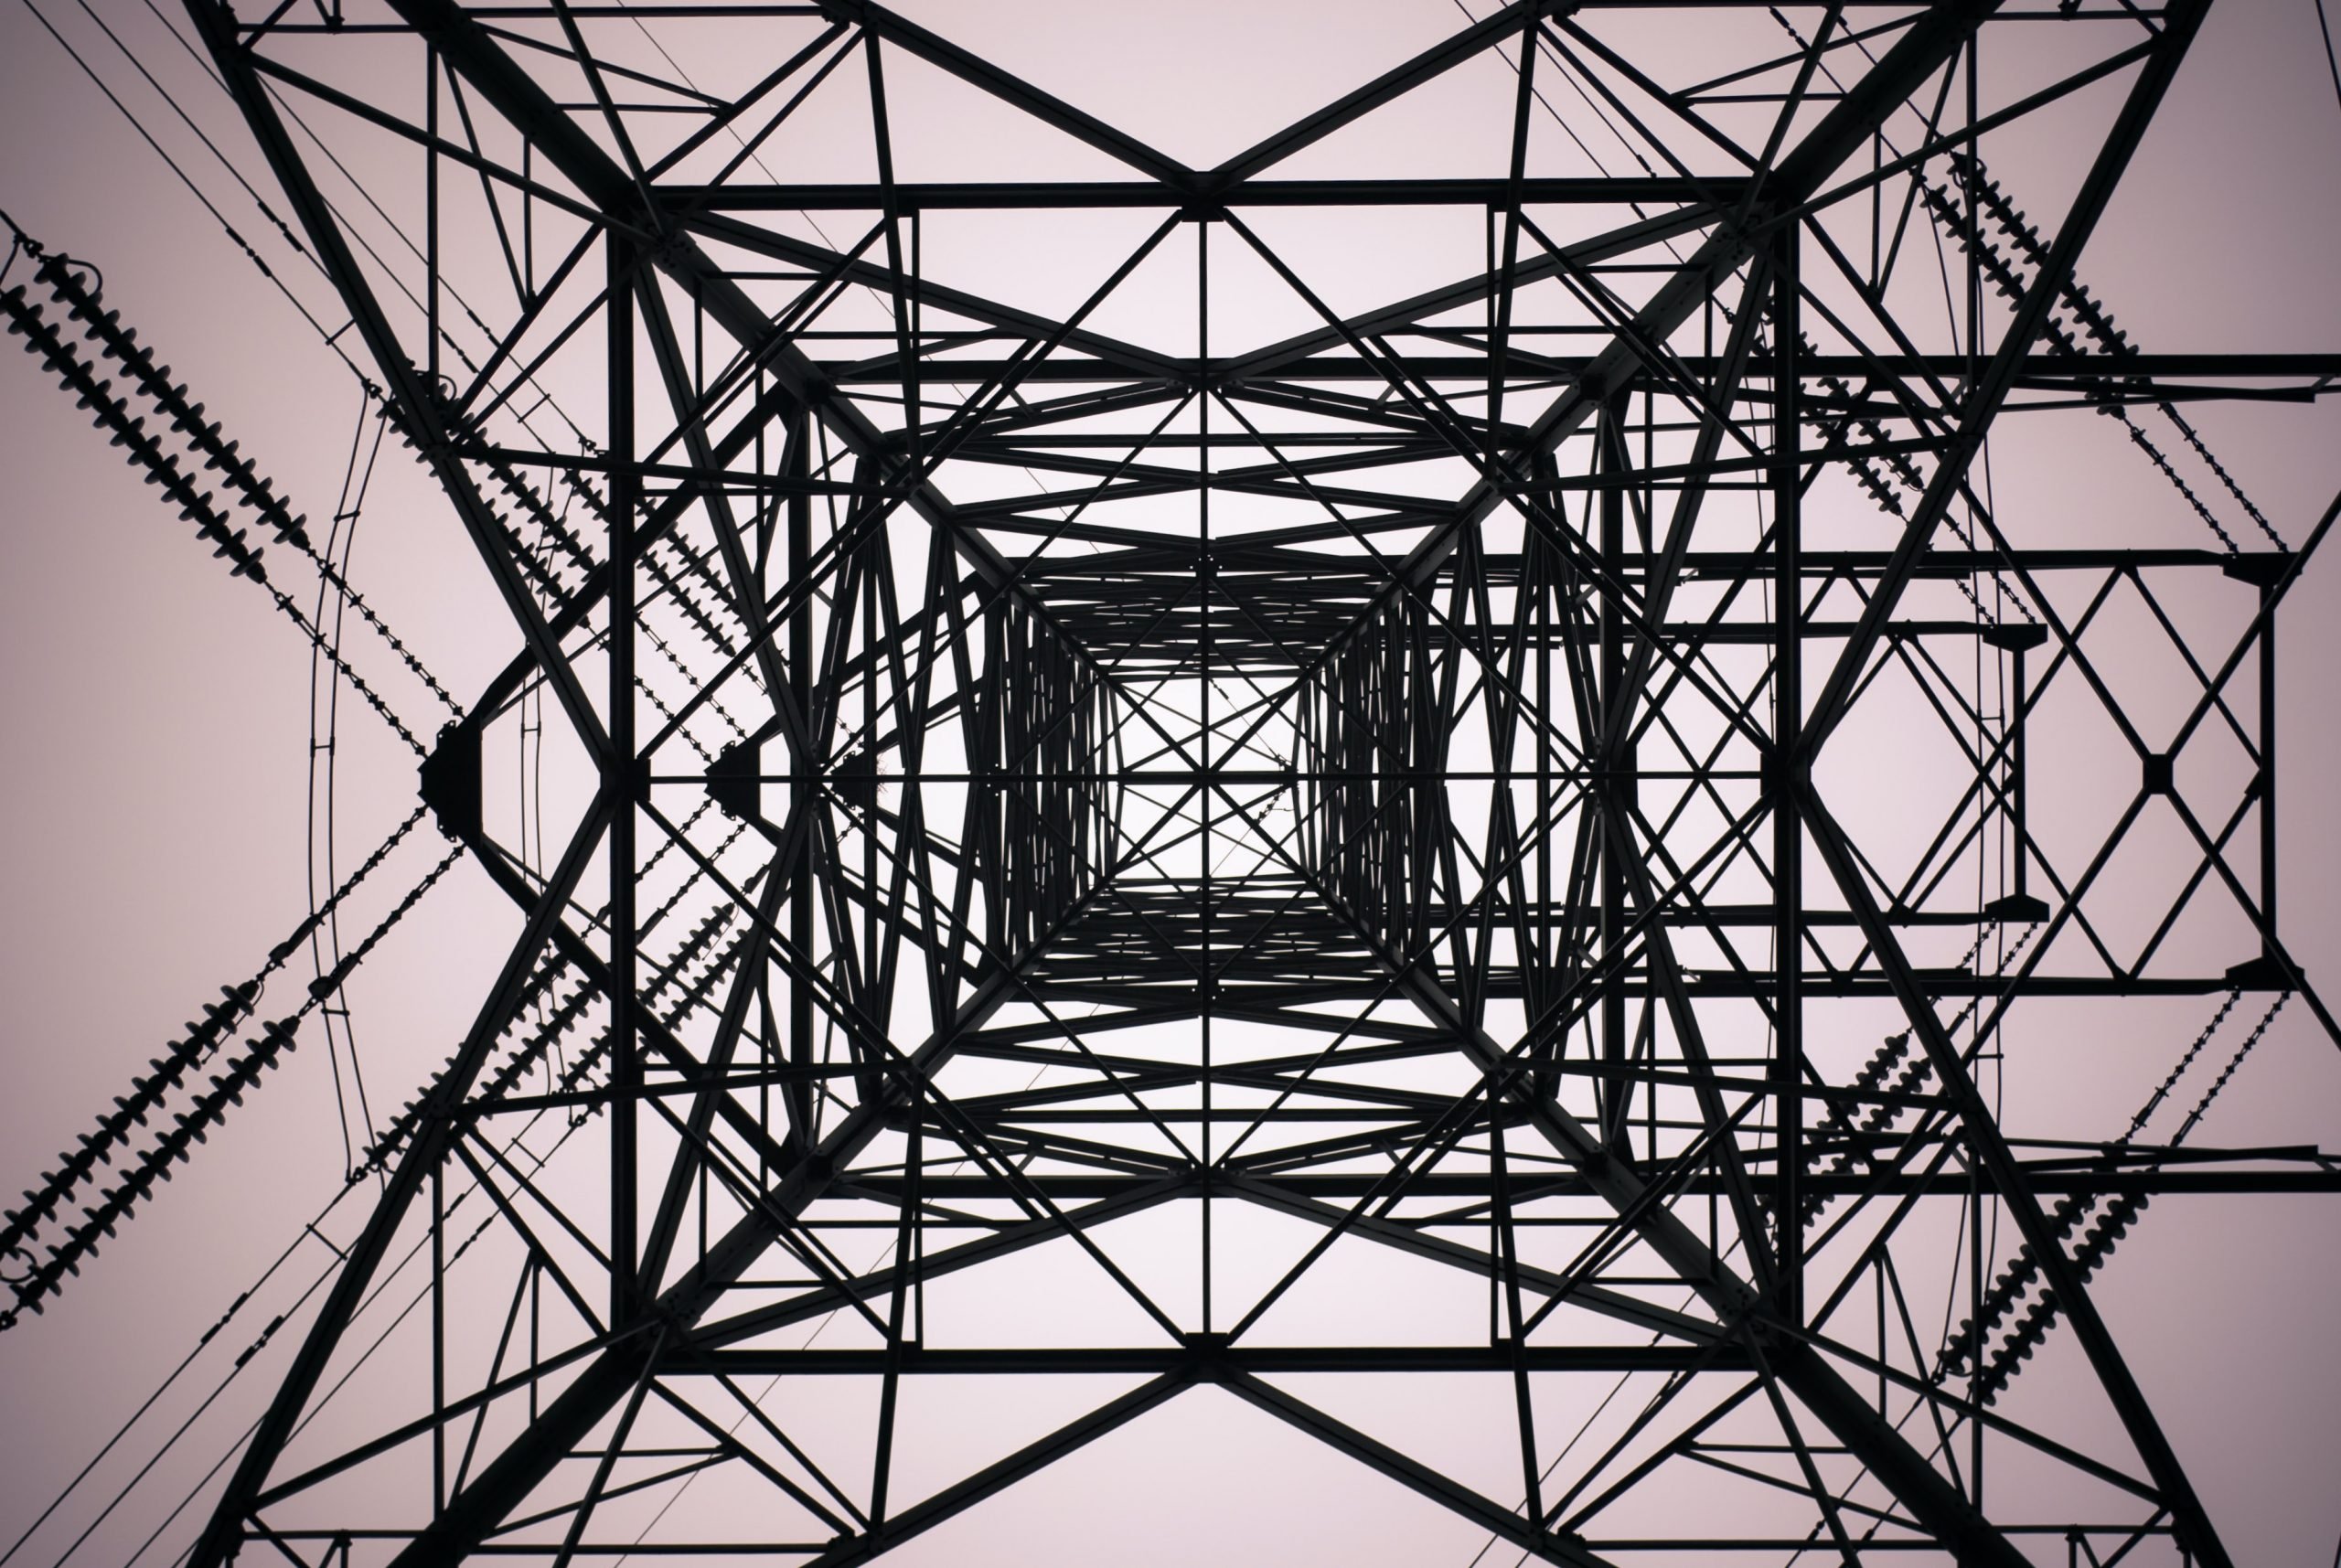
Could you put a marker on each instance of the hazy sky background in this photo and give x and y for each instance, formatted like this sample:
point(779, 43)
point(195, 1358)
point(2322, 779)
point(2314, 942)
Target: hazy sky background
point(156, 716)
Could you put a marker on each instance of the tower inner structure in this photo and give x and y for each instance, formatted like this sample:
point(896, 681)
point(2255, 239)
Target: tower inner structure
point(1406, 777)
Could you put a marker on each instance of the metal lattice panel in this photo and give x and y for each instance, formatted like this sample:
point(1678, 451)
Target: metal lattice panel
point(1178, 756)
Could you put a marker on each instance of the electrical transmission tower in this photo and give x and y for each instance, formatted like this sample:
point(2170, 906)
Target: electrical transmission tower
point(1363, 788)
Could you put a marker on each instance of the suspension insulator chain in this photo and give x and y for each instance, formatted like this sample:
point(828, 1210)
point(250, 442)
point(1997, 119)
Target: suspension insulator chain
point(542, 574)
point(237, 472)
point(1861, 1141)
point(2098, 322)
point(2162, 1093)
point(549, 1034)
point(695, 995)
point(2105, 395)
point(1832, 426)
point(26, 319)
point(694, 562)
point(668, 714)
point(507, 479)
point(190, 1126)
point(547, 574)
point(695, 565)
point(730, 720)
point(1865, 470)
point(1838, 1125)
point(145, 450)
point(202, 1041)
point(592, 1056)
point(148, 1092)
point(2119, 1212)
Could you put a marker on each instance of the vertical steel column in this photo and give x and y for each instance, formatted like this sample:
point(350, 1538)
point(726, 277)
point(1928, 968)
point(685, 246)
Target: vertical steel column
point(802, 766)
point(625, 789)
point(1611, 462)
point(2014, 714)
point(2267, 945)
point(431, 211)
point(1788, 827)
point(1209, 572)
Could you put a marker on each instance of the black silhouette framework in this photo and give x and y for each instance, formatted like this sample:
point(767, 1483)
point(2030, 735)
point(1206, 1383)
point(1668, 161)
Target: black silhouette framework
point(1107, 818)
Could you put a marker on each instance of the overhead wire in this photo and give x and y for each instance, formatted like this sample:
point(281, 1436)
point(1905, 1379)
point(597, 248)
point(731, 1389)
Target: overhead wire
point(325, 939)
point(196, 191)
point(268, 212)
point(2332, 64)
point(246, 1358)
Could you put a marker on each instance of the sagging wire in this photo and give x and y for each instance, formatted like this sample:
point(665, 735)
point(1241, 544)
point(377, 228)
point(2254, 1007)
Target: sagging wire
point(16, 245)
point(246, 1356)
point(2325, 30)
point(326, 953)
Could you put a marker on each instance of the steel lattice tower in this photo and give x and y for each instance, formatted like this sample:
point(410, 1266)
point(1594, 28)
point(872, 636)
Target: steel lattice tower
point(1554, 784)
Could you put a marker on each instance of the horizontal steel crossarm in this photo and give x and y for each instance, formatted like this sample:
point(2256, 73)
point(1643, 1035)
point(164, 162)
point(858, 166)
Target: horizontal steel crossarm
point(1703, 984)
point(998, 1477)
point(1268, 1361)
point(1135, 1195)
point(1111, 359)
point(1509, 1524)
point(1293, 359)
point(2303, 1169)
point(937, 50)
point(1277, 1194)
point(2041, 372)
point(1230, 177)
point(1069, 195)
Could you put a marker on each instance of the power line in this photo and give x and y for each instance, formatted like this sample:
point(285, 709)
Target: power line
point(196, 191)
